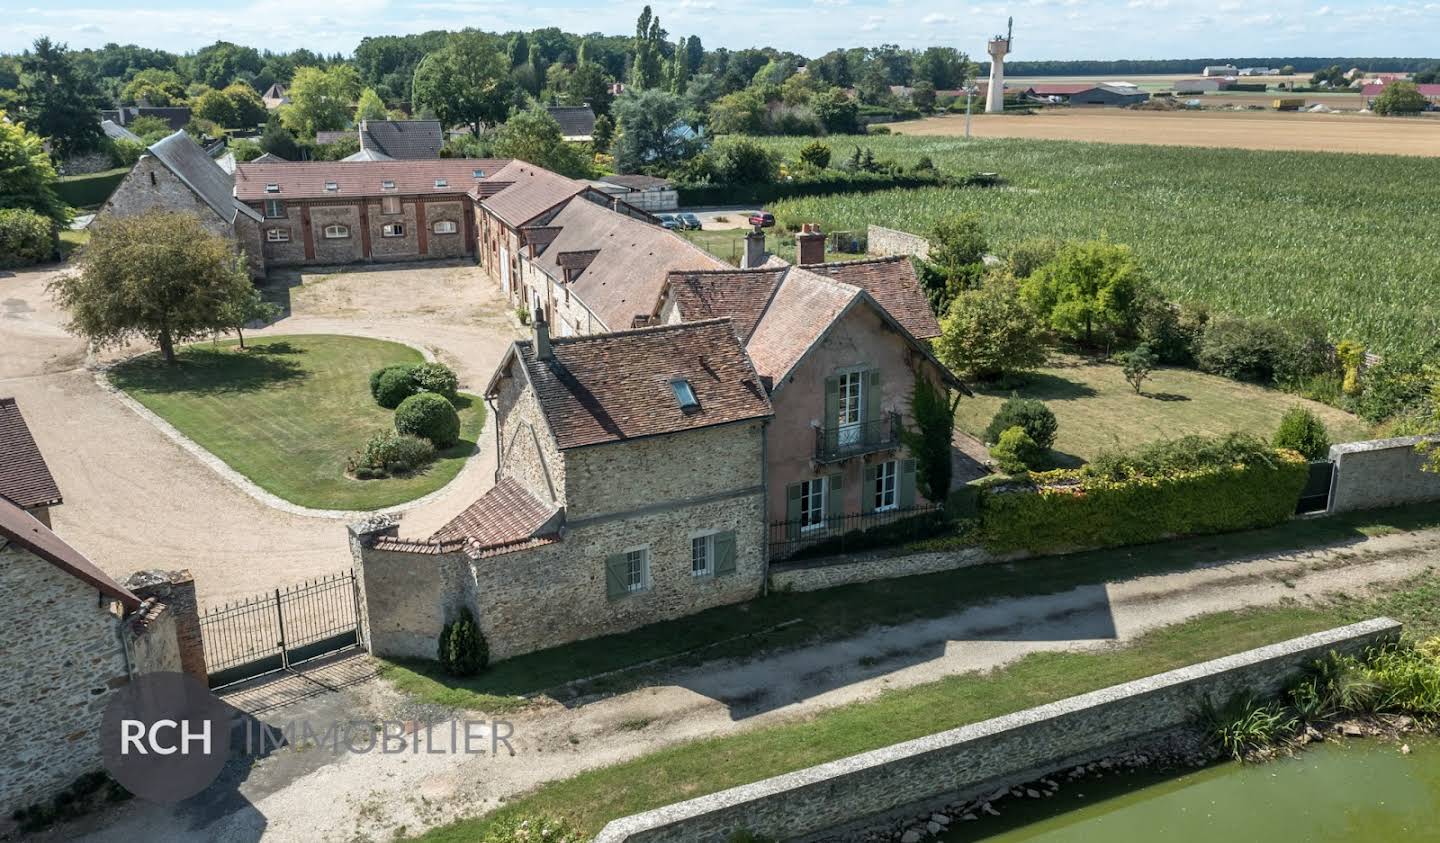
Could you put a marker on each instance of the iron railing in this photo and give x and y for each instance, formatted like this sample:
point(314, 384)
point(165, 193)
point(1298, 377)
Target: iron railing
point(843, 533)
point(840, 442)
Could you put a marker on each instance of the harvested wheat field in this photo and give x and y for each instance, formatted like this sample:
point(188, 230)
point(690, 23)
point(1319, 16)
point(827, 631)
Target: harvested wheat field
point(1232, 130)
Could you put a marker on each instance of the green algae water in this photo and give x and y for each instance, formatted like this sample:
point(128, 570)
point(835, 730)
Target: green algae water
point(1364, 791)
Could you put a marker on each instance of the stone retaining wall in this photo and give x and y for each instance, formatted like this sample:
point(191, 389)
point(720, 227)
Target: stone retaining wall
point(979, 757)
point(1381, 473)
point(837, 571)
point(884, 242)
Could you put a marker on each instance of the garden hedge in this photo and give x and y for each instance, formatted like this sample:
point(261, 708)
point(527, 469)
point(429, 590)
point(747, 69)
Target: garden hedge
point(1069, 510)
point(90, 190)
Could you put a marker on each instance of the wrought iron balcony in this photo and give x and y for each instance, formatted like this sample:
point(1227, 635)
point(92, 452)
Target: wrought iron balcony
point(842, 442)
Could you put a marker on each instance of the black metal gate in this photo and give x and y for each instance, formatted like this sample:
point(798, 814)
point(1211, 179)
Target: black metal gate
point(1315, 497)
point(279, 629)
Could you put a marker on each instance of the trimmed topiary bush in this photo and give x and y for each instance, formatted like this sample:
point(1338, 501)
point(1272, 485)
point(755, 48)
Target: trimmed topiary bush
point(463, 650)
point(388, 453)
point(1016, 452)
point(437, 378)
point(429, 416)
point(26, 238)
point(391, 385)
point(1028, 413)
point(1302, 432)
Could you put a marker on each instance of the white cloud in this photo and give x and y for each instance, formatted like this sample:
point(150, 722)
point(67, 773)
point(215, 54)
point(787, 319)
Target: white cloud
point(936, 19)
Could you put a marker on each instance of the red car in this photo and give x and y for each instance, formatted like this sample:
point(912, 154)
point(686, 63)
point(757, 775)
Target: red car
point(762, 219)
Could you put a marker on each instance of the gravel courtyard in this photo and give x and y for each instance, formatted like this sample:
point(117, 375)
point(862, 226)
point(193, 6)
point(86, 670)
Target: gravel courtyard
point(134, 499)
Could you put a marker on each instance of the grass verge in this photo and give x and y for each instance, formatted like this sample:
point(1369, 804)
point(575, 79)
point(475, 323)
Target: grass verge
point(288, 412)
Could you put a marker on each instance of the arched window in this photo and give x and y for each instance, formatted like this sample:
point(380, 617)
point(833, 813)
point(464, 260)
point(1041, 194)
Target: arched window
point(444, 227)
point(337, 232)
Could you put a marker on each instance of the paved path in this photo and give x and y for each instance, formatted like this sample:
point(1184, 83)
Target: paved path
point(312, 796)
point(134, 499)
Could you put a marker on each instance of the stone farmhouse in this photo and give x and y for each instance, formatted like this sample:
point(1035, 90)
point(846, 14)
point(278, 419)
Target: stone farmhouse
point(629, 489)
point(25, 479)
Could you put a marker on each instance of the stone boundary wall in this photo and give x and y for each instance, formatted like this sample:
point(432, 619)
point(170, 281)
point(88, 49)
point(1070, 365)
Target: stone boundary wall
point(973, 759)
point(836, 571)
point(884, 242)
point(1381, 473)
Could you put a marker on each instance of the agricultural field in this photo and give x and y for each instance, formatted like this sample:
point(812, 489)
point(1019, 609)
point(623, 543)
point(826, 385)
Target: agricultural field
point(1224, 129)
point(1346, 238)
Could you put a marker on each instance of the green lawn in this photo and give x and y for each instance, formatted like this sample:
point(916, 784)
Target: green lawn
point(72, 239)
point(593, 798)
point(729, 244)
point(288, 412)
point(1098, 410)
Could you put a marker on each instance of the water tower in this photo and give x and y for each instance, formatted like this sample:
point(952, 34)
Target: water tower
point(997, 48)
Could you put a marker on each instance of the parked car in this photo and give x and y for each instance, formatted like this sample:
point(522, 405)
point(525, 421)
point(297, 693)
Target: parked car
point(690, 221)
point(762, 219)
point(669, 221)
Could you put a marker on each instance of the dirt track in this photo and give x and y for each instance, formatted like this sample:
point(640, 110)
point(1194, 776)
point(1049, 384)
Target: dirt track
point(135, 500)
point(1233, 130)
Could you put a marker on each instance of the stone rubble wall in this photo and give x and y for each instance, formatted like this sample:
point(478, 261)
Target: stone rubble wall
point(885, 242)
point(1381, 473)
point(836, 571)
point(976, 758)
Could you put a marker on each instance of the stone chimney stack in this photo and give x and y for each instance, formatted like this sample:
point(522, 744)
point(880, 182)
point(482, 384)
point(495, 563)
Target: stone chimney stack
point(542, 336)
point(810, 245)
point(754, 249)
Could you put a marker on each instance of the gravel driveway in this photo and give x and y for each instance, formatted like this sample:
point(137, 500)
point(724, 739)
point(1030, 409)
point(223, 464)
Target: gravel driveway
point(134, 499)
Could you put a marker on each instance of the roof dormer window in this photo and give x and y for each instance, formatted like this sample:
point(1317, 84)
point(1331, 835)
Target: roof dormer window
point(479, 174)
point(684, 395)
point(441, 183)
point(272, 188)
point(387, 184)
point(331, 187)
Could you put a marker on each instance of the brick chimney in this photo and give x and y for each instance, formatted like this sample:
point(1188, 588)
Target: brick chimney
point(754, 249)
point(810, 245)
point(542, 336)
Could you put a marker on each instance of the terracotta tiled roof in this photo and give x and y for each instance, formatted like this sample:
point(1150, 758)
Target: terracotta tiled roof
point(24, 478)
point(506, 514)
point(624, 279)
point(535, 191)
point(799, 313)
point(614, 387)
point(739, 295)
point(21, 528)
point(893, 283)
point(306, 179)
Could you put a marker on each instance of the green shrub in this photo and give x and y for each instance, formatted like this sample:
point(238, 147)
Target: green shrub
point(1263, 350)
point(1016, 452)
point(1137, 365)
point(1172, 331)
point(26, 238)
point(391, 385)
point(1245, 724)
point(463, 650)
point(1302, 432)
point(1399, 384)
point(388, 453)
point(1192, 487)
point(816, 154)
point(429, 416)
point(529, 828)
point(1028, 413)
point(437, 378)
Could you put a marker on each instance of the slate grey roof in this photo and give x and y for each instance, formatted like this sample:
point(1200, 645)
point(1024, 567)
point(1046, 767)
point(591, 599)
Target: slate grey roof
point(184, 157)
point(406, 140)
point(636, 181)
point(269, 158)
point(115, 131)
point(367, 155)
point(576, 121)
point(329, 136)
point(25, 479)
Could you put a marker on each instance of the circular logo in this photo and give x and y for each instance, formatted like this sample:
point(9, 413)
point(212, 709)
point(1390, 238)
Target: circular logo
point(165, 737)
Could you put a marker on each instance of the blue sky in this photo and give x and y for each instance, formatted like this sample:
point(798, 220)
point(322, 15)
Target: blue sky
point(1044, 29)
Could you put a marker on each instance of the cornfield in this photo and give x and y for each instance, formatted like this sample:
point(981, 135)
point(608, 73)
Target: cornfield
point(1350, 239)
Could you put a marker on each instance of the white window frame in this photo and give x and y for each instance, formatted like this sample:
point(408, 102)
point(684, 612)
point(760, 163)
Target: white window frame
point(814, 495)
point(439, 183)
point(332, 187)
point(851, 417)
point(637, 577)
point(387, 202)
point(341, 231)
point(274, 209)
point(887, 486)
point(449, 227)
point(704, 542)
point(277, 235)
point(387, 184)
point(392, 229)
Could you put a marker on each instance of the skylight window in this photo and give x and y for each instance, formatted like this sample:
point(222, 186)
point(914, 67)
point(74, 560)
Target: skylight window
point(441, 183)
point(387, 185)
point(479, 174)
point(684, 395)
point(272, 188)
point(331, 186)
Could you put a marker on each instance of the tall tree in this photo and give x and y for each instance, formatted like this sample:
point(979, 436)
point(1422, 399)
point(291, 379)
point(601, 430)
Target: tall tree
point(57, 100)
point(1090, 291)
point(222, 63)
point(370, 106)
point(27, 177)
point(159, 275)
point(519, 50)
point(680, 68)
point(653, 134)
point(320, 99)
point(694, 55)
point(589, 84)
point(534, 136)
point(466, 82)
point(155, 86)
point(648, 70)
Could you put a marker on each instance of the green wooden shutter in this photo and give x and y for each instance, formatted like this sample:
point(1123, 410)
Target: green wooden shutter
point(617, 579)
point(792, 512)
point(835, 498)
point(724, 548)
point(867, 491)
point(907, 484)
point(872, 402)
point(832, 403)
